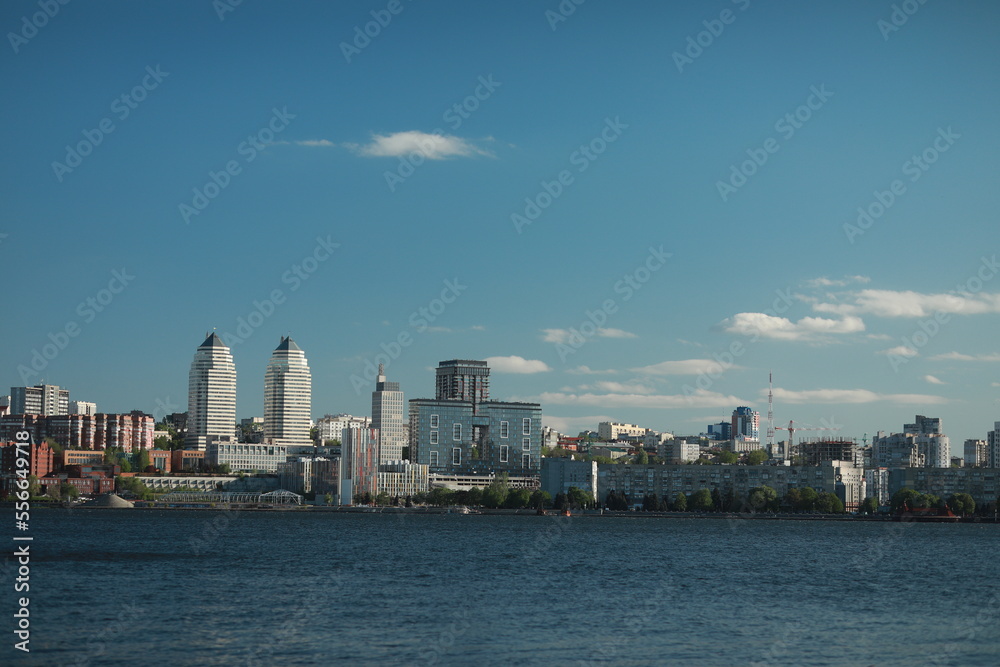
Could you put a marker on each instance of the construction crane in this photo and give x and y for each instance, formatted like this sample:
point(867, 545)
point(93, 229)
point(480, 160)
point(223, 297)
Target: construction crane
point(792, 428)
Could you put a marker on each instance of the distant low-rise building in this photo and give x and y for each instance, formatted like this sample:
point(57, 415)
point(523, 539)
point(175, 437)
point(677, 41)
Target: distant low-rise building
point(246, 457)
point(611, 431)
point(983, 484)
point(559, 474)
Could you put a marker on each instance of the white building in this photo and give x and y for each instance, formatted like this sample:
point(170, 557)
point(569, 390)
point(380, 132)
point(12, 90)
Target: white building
point(400, 479)
point(211, 394)
point(287, 396)
point(246, 457)
point(610, 431)
point(680, 450)
point(977, 454)
point(82, 408)
point(993, 445)
point(387, 417)
point(331, 427)
point(877, 485)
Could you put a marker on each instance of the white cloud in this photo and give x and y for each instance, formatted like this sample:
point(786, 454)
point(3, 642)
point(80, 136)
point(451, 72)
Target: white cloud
point(781, 328)
point(907, 303)
point(846, 280)
point(900, 351)
point(684, 367)
point(933, 380)
point(615, 333)
point(958, 356)
point(698, 399)
point(323, 143)
point(431, 146)
point(814, 396)
point(515, 364)
point(618, 387)
point(587, 370)
point(478, 327)
point(563, 335)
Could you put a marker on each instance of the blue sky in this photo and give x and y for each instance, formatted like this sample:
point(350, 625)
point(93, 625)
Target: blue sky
point(864, 326)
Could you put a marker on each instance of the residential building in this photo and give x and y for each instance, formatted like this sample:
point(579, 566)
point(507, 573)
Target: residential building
point(288, 397)
point(720, 431)
point(920, 445)
point(560, 473)
point(41, 459)
point(745, 427)
point(680, 450)
point(977, 453)
point(877, 485)
point(187, 460)
point(42, 399)
point(245, 456)
point(816, 451)
point(611, 431)
point(993, 445)
point(82, 408)
point(983, 484)
point(359, 464)
point(211, 394)
point(387, 417)
point(331, 427)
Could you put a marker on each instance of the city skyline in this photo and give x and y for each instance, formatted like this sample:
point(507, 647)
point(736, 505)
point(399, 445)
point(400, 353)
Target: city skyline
point(638, 231)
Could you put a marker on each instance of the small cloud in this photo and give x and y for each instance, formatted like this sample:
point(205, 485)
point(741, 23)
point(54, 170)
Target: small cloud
point(958, 356)
point(587, 370)
point(431, 146)
point(842, 282)
point(879, 337)
point(684, 367)
point(478, 327)
point(615, 333)
point(313, 143)
point(555, 335)
point(933, 380)
point(618, 387)
point(439, 329)
point(562, 336)
point(815, 396)
point(900, 351)
point(515, 364)
point(689, 342)
point(781, 328)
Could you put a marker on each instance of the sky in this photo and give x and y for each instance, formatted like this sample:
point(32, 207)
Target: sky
point(635, 211)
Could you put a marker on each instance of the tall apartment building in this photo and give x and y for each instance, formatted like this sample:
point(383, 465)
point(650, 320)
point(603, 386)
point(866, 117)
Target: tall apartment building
point(387, 417)
point(42, 399)
point(462, 380)
point(745, 424)
point(976, 453)
point(82, 408)
point(993, 445)
point(211, 394)
point(920, 445)
point(288, 397)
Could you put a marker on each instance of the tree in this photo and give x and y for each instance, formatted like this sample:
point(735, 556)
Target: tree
point(728, 457)
point(718, 504)
point(763, 499)
point(807, 499)
point(161, 442)
point(642, 458)
point(475, 496)
point(578, 498)
point(680, 503)
point(561, 501)
point(828, 503)
point(142, 460)
point(757, 457)
point(333, 442)
point(962, 504)
point(517, 499)
point(382, 499)
point(869, 506)
point(34, 488)
point(496, 492)
point(53, 445)
point(701, 501)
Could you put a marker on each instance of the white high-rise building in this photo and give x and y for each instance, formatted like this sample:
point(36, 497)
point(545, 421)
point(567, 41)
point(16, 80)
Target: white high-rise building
point(387, 417)
point(82, 408)
point(287, 396)
point(211, 395)
point(42, 399)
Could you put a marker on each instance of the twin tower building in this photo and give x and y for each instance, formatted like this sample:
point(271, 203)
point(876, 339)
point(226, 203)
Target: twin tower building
point(287, 399)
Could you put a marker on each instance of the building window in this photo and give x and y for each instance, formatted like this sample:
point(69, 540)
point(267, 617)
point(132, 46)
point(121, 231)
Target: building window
point(456, 432)
point(456, 456)
point(504, 429)
point(434, 459)
point(504, 453)
point(526, 444)
point(525, 461)
point(434, 437)
point(434, 421)
point(526, 426)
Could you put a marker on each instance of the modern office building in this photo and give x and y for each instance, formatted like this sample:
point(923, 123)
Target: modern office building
point(211, 394)
point(721, 431)
point(399, 479)
point(288, 397)
point(745, 424)
point(387, 417)
point(462, 380)
point(42, 399)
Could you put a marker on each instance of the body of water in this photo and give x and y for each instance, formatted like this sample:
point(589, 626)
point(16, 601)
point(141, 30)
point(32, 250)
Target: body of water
point(312, 588)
